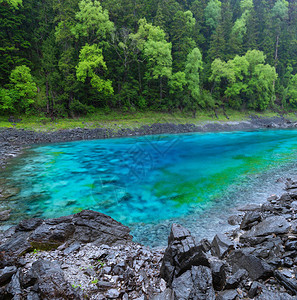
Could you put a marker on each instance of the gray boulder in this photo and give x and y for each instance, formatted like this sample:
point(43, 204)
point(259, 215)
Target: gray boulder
point(256, 267)
point(271, 225)
point(221, 245)
point(194, 284)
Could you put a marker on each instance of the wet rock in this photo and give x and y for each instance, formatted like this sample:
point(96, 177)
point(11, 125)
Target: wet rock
point(182, 253)
point(256, 268)
point(194, 284)
point(227, 295)
point(5, 215)
point(6, 274)
point(249, 219)
point(221, 245)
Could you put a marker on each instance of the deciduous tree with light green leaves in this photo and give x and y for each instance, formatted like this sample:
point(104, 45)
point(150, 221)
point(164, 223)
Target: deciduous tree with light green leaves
point(91, 63)
point(12, 3)
point(192, 72)
point(156, 51)
point(21, 93)
point(93, 22)
point(247, 80)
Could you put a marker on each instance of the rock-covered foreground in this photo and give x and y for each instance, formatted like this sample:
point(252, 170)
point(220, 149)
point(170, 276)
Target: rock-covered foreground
point(91, 256)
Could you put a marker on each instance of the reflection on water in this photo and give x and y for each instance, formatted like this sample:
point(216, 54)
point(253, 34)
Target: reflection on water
point(149, 182)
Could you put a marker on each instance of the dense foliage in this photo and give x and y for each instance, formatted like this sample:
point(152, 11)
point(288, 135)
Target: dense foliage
point(65, 58)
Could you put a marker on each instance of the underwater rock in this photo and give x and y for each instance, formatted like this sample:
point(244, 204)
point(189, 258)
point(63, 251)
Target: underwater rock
point(5, 215)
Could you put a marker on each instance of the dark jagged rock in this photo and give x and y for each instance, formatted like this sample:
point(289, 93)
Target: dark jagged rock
point(271, 225)
point(14, 287)
point(233, 281)
point(195, 284)
point(6, 274)
point(16, 245)
point(182, 253)
point(49, 236)
point(51, 282)
point(234, 220)
point(290, 184)
point(255, 289)
point(91, 226)
point(28, 225)
point(219, 273)
point(256, 268)
point(250, 219)
point(221, 245)
point(86, 226)
point(289, 283)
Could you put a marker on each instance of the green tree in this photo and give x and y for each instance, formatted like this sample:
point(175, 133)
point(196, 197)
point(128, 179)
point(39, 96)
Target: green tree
point(156, 51)
point(93, 21)
point(13, 3)
point(90, 64)
point(192, 69)
point(21, 93)
point(213, 14)
point(245, 80)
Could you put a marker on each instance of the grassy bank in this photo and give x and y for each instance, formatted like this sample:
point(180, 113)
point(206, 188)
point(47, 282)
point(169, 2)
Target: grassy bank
point(128, 120)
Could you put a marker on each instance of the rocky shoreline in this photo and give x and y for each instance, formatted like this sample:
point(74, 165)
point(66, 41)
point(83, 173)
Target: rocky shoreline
point(91, 256)
point(12, 140)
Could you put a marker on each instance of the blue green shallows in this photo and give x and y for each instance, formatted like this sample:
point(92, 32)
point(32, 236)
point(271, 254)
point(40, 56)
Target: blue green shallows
point(149, 182)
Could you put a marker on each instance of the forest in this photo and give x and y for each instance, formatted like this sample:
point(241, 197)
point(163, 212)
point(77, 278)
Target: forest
point(69, 58)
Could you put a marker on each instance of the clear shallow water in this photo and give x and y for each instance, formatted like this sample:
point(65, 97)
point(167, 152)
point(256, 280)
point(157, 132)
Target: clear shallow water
point(149, 182)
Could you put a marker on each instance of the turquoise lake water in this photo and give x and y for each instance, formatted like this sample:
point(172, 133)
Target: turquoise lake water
point(149, 182)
